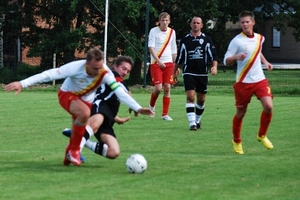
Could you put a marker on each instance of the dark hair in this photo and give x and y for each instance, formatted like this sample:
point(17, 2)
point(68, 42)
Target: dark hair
point(94, 53)
point(118, 61)
point(246, 13)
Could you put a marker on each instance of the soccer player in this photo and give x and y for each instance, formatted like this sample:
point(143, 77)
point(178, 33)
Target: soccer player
point(196, 50)
point(163, 51)
point(104, 113)
point(77, 92)
point(245, 49)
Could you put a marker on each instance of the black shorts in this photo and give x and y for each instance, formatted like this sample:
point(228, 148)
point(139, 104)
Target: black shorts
point(108, 122)
point(197, 83)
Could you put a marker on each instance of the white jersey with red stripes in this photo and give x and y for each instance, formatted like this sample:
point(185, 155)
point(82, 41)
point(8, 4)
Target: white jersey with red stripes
point(78, 82)
point(250, 69)
point(158, 40)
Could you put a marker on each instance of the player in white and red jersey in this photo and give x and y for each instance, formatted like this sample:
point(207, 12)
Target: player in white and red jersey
point(163, 51)
point(104, 113)
point(245, 49)
point(77, 92)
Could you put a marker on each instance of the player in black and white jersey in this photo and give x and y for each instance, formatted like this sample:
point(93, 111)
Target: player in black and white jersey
point(196, 51)
point(104, 114)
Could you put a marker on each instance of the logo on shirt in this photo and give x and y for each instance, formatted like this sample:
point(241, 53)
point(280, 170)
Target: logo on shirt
point(201, 41)
point(196, 54)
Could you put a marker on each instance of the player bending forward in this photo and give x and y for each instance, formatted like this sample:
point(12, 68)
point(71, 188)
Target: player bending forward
point(77, 92)
point(104, 113)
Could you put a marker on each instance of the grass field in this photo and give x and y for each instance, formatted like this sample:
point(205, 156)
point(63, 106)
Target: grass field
point(181, 164)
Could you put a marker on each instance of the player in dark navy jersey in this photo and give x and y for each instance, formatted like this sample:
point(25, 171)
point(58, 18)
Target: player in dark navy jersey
point(196, 51)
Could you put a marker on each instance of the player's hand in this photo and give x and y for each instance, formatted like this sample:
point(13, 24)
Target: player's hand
point(145, 111)
point(177, 72)
point(135, 113)
point(175, 76)
point(175, 79)
point(269, 66)
point(121, 120)
point(214, 70)
point(13, 86)
point(161, 64)
point(241, 56)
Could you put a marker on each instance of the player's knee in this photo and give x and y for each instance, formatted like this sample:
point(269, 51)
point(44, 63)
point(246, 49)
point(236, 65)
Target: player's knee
point(114, 153)
point(157, 90)
point(85, 114)
point(268, 108)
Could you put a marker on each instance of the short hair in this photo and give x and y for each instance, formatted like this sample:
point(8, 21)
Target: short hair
point(246, 13)
point(196, 16)
point(118, 61)
point(95, 54)
point(163, 15)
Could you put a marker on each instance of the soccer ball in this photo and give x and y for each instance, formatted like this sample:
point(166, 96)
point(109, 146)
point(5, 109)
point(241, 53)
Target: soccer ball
point(136, 164)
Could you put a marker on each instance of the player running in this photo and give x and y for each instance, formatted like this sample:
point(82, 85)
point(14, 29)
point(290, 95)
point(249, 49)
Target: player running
point(245, 49)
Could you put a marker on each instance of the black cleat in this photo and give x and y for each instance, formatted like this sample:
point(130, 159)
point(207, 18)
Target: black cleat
point(198, 125)
point(193, 127)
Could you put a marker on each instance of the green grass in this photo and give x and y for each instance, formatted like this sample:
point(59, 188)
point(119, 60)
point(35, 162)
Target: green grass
point(181, 164)
point(282, 82)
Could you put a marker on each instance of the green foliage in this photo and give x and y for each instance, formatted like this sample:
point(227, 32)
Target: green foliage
point(65, 24)
point(181, 164)
point(22, 71)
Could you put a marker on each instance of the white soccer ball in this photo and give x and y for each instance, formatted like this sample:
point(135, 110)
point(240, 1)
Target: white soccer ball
point(136, 164)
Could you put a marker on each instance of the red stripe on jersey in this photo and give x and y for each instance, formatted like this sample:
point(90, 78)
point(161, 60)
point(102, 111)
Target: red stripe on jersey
point(252, 59)
point(96, 82)
point(161, 51)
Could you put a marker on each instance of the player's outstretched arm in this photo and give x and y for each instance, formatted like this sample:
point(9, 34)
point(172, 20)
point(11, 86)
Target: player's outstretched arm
point(121, 120)
point(145, 111)
point(13, 86)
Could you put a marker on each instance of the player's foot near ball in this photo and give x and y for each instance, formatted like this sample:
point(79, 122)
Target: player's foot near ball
point(67, 132)
point(74, 157)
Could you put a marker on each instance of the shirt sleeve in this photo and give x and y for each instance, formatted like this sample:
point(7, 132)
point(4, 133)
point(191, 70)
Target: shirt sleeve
point(212, 50)
point(45, 76)
point(231, 51)
point(173, 43)
point(151, 39)
point(123, 96)
point(51, 74)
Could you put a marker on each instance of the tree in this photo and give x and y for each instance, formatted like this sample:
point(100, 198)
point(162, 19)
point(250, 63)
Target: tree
point(66, 26)
point(59, 27)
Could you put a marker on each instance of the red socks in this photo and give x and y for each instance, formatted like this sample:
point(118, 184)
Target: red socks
point(236, 129)
point(153, 99)
point(166, 105)
point(76, 136)
point(265, 120)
